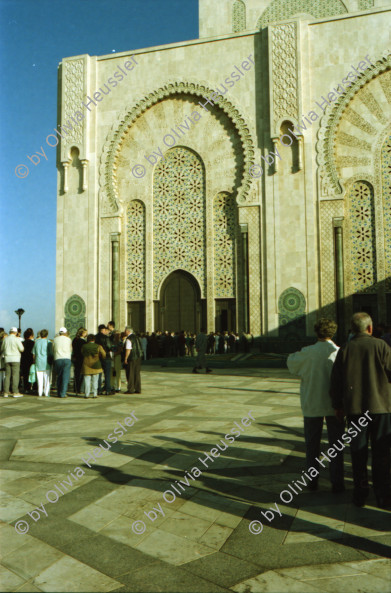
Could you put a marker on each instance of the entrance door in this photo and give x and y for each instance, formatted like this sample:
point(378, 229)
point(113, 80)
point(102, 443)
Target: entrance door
point(225, 315)
point(368, 304)
point(136, 315)
point(179, 303)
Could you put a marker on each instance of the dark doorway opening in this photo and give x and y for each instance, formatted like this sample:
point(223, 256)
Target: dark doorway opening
point(136, 315)
point(180, 306)
point(368, 304)
point(225, 315)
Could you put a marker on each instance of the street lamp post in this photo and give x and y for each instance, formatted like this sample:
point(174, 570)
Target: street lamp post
point(19, 313)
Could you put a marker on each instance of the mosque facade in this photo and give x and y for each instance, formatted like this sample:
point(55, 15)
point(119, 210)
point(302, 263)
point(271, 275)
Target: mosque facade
point(240, 181)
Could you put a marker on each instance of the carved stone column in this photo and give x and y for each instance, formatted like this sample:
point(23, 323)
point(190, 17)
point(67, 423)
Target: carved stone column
point(244, 235)
point(300, 149)
point(339, 272)
point(115, 276)
point(84, 162)
point(65, 184)
point(275, 140)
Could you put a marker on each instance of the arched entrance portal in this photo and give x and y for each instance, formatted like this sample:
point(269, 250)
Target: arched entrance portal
point(180, 306)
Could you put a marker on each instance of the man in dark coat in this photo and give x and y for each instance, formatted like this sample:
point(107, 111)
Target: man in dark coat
point(103, 339)
point(360, 382)
point(132, 362)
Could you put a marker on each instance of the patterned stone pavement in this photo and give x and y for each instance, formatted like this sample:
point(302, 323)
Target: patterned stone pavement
point(196, 534)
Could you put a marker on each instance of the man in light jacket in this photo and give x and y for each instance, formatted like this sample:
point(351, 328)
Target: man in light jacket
point(314, 365)
point(62, 349)
point(11, 349)
point(360, 382)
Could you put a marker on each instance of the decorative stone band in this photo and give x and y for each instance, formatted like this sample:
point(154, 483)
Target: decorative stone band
point(111, 149)
point(281, 10)
point(331, 119)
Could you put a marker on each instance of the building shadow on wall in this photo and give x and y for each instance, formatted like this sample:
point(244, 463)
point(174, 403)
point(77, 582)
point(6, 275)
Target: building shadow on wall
point(296, 324)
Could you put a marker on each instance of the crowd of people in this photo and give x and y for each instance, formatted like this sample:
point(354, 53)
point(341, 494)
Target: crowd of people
point(336, 383)
point(30, 363)
point(162, 344)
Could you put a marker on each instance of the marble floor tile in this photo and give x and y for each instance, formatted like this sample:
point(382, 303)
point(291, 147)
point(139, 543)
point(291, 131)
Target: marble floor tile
point(10, 474)
point(320, 571)
point(9, 581)
point(94, 516)
point(185, 526)
point(273, 582)
point(172, 548)
point(12, 508)
point(10, 540)
point(20, 485)
point(216, 536)
point(308, 526)
point(181, 418)
point(68, 575)
point(292, 422)
point(31, 559)
point(368, 521)
point(199, 510)
point(362, 583)
point(15, 421)
point(380, 567)
point(28, 587)
point(121, 531)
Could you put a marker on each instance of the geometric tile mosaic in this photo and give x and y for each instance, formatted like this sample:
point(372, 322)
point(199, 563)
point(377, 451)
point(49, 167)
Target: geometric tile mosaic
point(386, 184)
point(179, 216)
point(362, 237)
point(224, 245)
point(75, 314)
point(135, 252)
point(291, 311)
point(238, 16)
point(279, 10)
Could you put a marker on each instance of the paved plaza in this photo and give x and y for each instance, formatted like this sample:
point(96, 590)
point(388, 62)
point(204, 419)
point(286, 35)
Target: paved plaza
point(196, 536)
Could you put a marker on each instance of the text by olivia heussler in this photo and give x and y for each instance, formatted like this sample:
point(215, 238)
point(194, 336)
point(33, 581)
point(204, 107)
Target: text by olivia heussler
point(256, 527)
point(68, 127)
point(178, 487)
point(180, 129)
point(61, 488)
point(297, 130)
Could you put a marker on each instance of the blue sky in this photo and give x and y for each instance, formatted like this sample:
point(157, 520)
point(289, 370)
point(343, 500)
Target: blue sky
point(35, 36)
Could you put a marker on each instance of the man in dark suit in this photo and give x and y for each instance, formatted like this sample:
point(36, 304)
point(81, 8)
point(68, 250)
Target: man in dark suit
point(132, 362)
point(360, 382)
point(103, 339)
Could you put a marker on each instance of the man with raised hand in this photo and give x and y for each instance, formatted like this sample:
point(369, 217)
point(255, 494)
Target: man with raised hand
point(360, 383)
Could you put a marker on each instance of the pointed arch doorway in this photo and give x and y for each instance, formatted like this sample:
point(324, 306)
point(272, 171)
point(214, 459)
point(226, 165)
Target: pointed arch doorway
point(180, 306)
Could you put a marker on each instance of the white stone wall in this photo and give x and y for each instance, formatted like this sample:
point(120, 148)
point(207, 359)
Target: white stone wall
point(285, 203)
